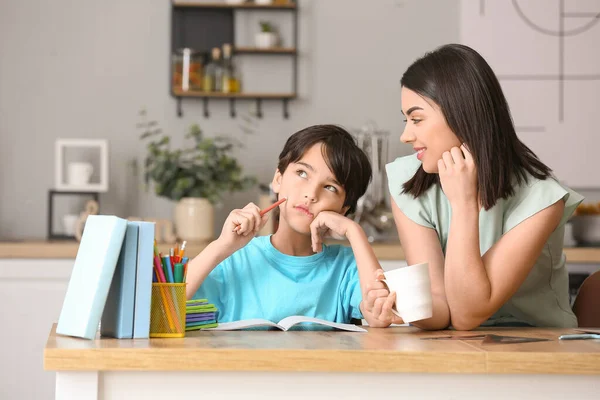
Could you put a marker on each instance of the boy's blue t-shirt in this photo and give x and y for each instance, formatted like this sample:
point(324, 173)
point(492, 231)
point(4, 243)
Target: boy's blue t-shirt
point(258, 281)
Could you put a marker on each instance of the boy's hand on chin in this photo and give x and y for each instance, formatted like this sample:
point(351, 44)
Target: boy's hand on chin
point(241, 226)
point(329, 224)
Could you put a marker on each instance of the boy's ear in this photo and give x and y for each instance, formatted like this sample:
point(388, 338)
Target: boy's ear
point(345, 210)
point(276, 184)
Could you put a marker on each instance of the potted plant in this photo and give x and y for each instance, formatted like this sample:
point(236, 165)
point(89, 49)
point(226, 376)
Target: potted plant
point(267, 37)
point(196, 176)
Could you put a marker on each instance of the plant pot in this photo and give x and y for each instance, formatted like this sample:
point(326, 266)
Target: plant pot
point(265, 40)
point(194, 219)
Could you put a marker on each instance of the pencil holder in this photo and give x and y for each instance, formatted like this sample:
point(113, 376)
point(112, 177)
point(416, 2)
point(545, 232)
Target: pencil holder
point(167, 313)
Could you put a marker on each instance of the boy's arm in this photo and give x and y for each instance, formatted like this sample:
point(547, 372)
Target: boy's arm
point(329, 222)
point(203, 264)
point(239, 228)
point(367, 265)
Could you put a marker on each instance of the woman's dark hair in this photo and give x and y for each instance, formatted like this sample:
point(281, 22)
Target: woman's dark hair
point(469, 95)
point(347, 161)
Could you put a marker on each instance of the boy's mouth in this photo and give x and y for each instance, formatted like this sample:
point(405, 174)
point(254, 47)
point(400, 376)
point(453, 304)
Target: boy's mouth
point(302, 208)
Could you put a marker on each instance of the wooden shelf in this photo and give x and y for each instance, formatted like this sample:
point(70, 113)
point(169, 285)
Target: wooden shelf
point(275, 96)
point(255, 50)
point(247, 6)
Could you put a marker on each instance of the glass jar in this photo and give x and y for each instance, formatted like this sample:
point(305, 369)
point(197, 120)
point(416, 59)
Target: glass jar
point(187, 70)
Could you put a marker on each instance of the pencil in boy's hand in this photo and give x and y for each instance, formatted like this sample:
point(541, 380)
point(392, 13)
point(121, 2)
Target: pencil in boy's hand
point(266, 210)
point(272, 206)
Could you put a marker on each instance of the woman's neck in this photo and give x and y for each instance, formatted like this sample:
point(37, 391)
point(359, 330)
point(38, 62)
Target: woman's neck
point(290, 242)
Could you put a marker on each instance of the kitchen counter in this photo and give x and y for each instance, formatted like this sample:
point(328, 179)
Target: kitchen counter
point(383, 250)
point(327, 364)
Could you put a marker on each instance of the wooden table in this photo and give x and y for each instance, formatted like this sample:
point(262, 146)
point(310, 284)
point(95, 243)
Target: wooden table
point(325, 364)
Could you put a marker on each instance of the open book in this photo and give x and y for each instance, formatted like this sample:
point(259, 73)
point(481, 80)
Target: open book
point(285, 324)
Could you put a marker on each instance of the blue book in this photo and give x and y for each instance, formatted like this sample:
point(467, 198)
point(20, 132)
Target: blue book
point(143, 281)
point(117, 318)
point(91, 276)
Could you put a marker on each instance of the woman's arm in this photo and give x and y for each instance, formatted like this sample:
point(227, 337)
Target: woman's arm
point(421, 244)
point(476, 286)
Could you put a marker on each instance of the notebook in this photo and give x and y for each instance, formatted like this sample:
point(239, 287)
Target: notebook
point(117, 318)
point(286, 324)
point(143, 281)
point(91, 276)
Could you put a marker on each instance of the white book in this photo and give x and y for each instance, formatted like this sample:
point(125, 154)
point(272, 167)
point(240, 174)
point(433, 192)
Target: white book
point(284, 325)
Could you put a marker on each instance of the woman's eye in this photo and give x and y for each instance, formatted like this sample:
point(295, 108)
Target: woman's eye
point(301, 173)
point(415, 121)
point(331, 188)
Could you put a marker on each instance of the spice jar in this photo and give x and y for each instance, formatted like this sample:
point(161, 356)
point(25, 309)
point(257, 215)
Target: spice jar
point(187, 70)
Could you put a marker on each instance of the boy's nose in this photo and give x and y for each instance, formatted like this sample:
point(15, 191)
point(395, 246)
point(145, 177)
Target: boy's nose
point(310, 196)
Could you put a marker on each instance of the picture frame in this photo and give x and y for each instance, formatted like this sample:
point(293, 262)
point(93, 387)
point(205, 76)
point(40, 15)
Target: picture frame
point(81, 165)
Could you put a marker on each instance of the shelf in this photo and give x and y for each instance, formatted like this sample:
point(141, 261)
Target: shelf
point(246, 6)
point(255, 50)
point(263, 96)
point(203, 25)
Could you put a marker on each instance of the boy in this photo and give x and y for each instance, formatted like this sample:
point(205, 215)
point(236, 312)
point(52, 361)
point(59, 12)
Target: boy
point(322, 173)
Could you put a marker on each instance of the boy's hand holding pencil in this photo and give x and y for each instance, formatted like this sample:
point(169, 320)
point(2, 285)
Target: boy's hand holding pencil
point(243, 224)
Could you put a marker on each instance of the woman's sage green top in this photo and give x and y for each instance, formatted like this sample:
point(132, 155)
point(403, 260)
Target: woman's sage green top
point(543, 299)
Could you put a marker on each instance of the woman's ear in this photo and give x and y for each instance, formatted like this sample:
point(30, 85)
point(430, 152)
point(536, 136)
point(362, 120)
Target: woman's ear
point(276, 184)
point(345, 210)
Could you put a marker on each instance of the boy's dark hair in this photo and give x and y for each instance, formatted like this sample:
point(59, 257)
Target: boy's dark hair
point(465, 88)
point(349, 163)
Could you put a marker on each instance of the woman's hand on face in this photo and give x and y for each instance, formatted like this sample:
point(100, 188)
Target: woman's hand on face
point(458, 176)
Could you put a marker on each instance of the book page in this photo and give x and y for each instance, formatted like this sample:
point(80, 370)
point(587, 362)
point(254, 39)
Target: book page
point(243, 324)
point(288, 322)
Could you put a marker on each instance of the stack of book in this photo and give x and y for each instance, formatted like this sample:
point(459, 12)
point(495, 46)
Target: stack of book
point(111, 280)
point(200, 314)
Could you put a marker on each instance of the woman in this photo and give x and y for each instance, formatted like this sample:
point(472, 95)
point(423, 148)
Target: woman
point(475, 203)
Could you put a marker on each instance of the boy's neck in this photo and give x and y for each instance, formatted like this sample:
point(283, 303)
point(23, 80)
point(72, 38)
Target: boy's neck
point(292, 243)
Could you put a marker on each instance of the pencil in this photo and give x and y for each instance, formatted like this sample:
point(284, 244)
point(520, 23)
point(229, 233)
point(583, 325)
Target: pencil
point(272, 206)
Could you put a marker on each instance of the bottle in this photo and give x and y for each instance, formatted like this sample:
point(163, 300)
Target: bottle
point(187, 70)
point(213, 76)
point(230, 78)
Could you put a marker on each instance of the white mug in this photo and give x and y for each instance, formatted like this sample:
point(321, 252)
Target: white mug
point(413, 291)
point(79, 173)
point(70, 223)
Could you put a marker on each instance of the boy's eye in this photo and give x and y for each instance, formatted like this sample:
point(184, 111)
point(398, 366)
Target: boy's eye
point(301, 173)
point(331, 188)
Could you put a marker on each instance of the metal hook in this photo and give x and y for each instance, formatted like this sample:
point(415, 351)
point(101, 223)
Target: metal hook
point(232, 107)
point(259, 113)
point(206, 113)
point(179, 109)
point(286, 114)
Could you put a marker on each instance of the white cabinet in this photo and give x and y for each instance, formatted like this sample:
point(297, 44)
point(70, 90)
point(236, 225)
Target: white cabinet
point(31, 297)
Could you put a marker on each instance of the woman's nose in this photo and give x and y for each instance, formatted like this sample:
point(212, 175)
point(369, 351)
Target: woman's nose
point(407, 136)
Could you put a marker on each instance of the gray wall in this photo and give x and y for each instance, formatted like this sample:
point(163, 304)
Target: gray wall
point(83, 69)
